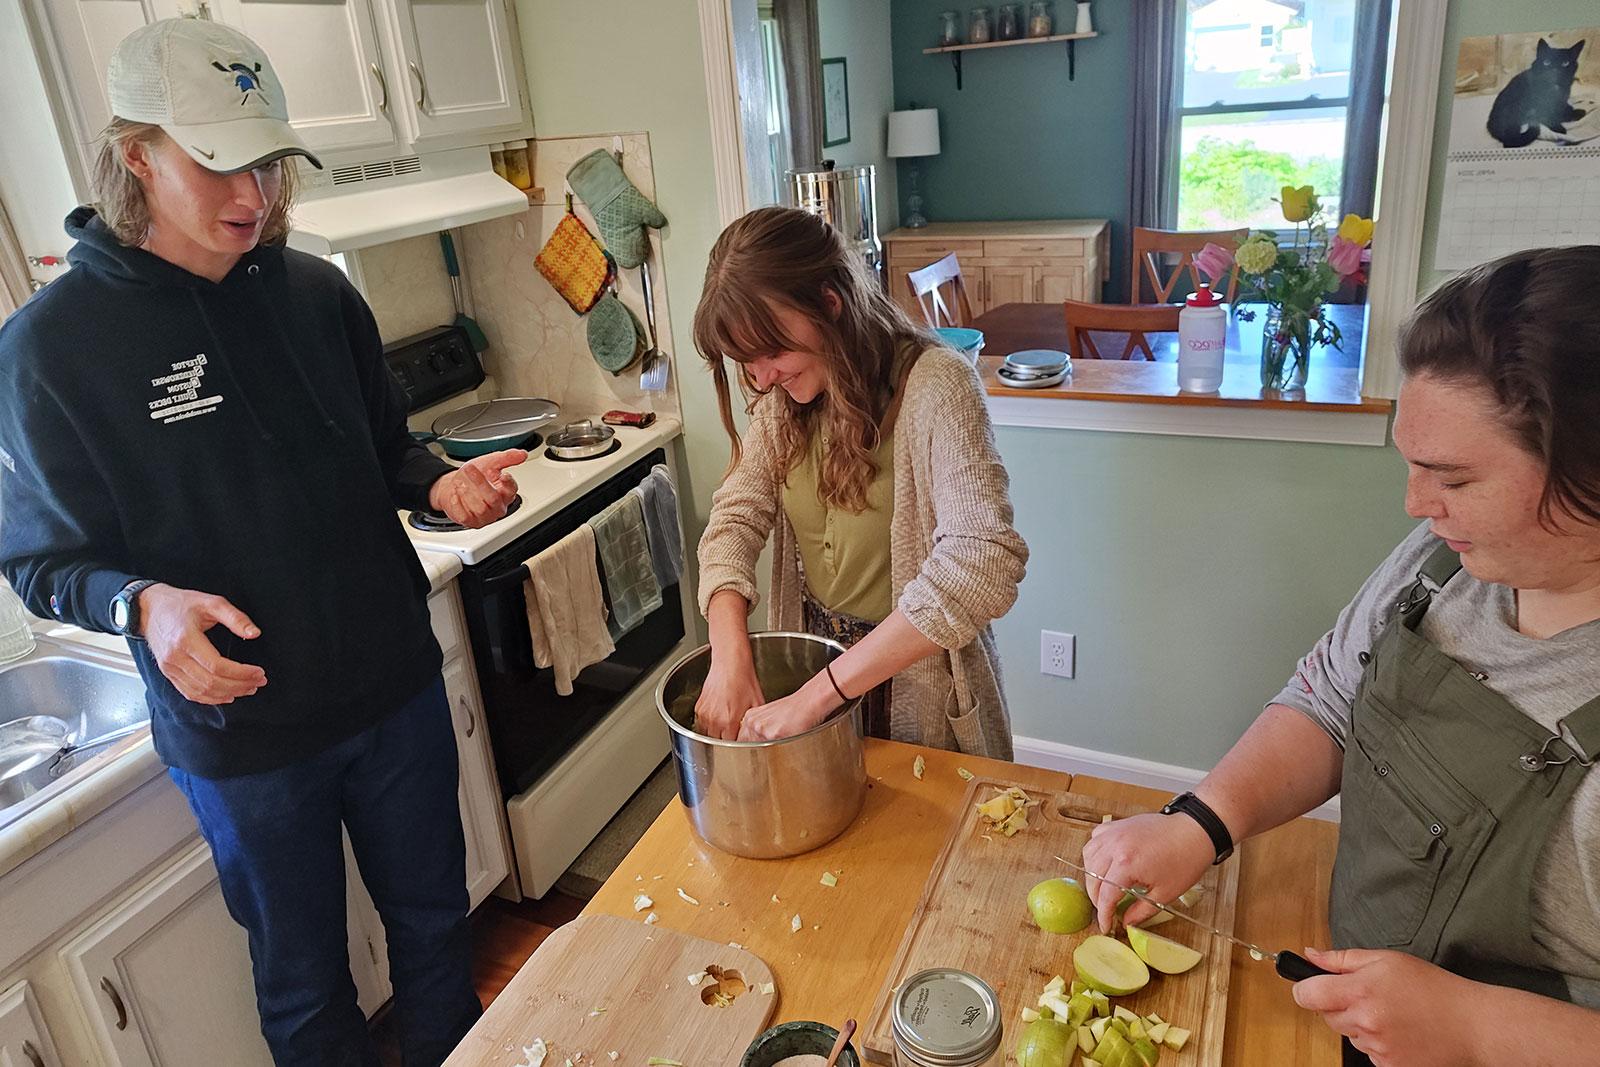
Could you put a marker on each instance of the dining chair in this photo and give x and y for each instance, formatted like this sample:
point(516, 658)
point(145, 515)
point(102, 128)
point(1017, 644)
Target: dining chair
point(1133, 320)
point(927, 287)
point(1162, 256)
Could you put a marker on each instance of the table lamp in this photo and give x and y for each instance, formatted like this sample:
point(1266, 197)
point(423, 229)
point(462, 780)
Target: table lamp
point(913, 134)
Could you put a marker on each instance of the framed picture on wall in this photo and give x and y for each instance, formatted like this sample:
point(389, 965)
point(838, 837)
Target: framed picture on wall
point(835, 103)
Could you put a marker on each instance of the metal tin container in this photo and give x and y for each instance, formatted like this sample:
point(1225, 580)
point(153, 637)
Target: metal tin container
point(944, 1017)
point(767, 799)
point(848, 198)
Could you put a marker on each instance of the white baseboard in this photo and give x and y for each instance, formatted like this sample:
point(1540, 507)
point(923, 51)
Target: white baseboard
point(1054, 756)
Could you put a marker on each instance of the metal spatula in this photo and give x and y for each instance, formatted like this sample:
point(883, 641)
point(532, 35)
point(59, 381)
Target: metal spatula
point(653, 373)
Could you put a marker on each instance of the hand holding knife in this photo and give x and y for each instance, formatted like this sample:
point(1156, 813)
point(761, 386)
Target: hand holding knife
point(1290, 965)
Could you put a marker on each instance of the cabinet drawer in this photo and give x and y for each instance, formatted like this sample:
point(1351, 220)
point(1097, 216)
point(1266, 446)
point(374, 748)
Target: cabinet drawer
point(914, 255)
point(1021, 248)
point(446, 620)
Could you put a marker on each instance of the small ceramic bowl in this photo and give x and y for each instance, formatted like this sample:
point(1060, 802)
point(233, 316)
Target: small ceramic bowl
point(796, 1039)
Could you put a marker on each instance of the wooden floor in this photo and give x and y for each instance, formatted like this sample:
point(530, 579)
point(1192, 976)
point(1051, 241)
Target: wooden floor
point(504, 935)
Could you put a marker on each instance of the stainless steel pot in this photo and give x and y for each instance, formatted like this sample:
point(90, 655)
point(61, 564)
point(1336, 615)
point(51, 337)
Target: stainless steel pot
point(767, 799)
point(846, 197)
point(581, 440)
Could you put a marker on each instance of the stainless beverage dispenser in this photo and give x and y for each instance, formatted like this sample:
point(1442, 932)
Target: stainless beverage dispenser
point(848, 198)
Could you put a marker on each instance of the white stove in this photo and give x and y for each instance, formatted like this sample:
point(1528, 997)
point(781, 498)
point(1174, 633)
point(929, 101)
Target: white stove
point(546, 485)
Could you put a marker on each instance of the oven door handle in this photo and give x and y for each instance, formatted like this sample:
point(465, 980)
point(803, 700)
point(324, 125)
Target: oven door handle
point(515, 576)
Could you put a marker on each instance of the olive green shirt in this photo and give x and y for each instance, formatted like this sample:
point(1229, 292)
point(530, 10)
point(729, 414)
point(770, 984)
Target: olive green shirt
point(845, 555)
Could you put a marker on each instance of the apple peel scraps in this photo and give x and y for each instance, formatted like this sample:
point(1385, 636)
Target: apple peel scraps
point(642, 902)
point(918, 767)
point(533, 1055)
point(686, 898)
point(1006, 812)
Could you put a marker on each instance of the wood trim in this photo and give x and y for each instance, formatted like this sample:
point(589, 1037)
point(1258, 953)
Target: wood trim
point(722, 99)
point(1419, 27)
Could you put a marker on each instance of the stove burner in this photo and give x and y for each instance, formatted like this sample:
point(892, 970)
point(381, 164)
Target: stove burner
point(433, 522)
point(615, 444)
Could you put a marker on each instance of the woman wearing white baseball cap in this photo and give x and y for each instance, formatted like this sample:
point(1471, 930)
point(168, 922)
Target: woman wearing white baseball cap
point(204, 453)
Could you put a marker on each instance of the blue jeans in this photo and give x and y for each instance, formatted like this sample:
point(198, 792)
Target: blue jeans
point(275, 839)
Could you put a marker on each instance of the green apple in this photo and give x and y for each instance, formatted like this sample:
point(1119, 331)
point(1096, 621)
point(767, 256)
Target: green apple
point(1060, 906)
point(1086, 1041)
point(1046, 1043)
point(1176, 1038)
point(1147, 1052)
point(1109, 966)
point(1164, 954)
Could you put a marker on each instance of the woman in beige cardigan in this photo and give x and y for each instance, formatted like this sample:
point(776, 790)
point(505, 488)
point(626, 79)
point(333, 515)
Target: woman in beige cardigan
point(870, 462)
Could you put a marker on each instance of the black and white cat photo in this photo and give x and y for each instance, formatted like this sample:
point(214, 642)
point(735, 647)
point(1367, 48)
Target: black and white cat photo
point(1536, 104)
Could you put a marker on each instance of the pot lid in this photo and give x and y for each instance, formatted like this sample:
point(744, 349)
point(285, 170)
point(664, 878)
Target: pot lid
point(1037, 359)
point(580, 433)
point(495, 420)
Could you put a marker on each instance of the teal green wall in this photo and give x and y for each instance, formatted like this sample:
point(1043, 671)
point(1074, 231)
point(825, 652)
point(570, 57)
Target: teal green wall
point(1481, 18)
point(1020, 141)
point(1194, 573)
point(858, 32)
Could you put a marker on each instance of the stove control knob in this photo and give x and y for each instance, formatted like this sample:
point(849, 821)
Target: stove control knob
point(436, 361)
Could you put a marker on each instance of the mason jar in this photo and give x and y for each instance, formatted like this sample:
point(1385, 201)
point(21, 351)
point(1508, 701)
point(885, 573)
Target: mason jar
point(944, 1017)
point(979, 29)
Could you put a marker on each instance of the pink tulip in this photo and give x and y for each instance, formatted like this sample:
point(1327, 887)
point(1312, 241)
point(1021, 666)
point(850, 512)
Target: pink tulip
point(1344, 256)
point(1214, 261)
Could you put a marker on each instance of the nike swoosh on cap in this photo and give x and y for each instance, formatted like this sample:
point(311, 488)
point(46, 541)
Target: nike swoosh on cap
point(203, 152)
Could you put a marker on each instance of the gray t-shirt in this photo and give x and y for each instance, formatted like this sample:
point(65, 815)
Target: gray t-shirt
point(1475, 624)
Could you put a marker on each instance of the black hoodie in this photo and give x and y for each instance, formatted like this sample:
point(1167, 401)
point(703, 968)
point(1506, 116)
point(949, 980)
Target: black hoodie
point(243, 438)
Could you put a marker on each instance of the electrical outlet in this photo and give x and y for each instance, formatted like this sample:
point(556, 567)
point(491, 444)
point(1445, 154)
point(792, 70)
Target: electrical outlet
point(1056, 653)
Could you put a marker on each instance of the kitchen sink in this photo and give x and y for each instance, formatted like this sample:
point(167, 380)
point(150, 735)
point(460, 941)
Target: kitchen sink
point(91, 692)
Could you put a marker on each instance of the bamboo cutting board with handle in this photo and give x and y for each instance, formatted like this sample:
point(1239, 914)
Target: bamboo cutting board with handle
point(973, 915)
point(604, 984)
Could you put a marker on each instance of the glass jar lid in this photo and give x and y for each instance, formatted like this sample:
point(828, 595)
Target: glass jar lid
point(944, 1017)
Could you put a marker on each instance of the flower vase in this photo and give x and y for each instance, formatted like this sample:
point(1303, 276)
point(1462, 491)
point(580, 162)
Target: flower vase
point(1085, 20)
point(1286, 348)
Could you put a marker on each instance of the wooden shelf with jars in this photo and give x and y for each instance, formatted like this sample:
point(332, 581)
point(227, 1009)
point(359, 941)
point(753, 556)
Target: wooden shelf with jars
point(955, 51)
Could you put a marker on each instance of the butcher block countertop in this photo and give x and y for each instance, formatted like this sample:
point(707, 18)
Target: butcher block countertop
point(834, 967)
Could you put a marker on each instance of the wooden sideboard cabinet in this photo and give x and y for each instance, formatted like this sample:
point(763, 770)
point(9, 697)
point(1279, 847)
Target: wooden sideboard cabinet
point(1043, 262)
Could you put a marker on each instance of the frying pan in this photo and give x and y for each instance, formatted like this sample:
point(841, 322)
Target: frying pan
point(490, 426)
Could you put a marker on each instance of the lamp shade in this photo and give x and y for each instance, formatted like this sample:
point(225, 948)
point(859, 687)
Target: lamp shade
point(914, 133)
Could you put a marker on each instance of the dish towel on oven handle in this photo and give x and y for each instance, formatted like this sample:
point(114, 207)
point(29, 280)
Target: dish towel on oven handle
point(659, 498)
point(567, 608)
point(624, 546)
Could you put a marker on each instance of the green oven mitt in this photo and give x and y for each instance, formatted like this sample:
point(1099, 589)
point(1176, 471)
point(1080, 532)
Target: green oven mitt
point(620, 210)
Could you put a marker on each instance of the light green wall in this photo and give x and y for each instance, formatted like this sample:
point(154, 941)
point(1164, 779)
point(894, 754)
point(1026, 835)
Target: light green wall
point(631, 65)
point(1481, 18)
point(858, 30)
point(1194, 573)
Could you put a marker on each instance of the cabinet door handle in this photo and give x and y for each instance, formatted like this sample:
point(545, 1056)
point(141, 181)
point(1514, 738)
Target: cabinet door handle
point(422, 86)
point(116, 1002)
point(1033, 248)
point(383, 84)
point(1038, 290)
point(472, 720)
point(33, 1054)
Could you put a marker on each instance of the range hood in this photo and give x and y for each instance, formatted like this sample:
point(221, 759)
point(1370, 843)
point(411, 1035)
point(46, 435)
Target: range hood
point(370, 203)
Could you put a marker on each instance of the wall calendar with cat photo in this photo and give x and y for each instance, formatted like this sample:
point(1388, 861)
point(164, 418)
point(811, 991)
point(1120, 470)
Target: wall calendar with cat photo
point(1523, 168)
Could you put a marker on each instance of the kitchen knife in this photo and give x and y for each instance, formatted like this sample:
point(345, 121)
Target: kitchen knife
point(1290, 965)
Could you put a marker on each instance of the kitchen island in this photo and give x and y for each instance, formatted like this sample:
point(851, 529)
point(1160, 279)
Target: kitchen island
point(834, 966)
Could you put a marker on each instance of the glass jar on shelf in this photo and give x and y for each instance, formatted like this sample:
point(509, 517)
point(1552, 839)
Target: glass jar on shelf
point(949, 28)
point(1040, 24)
point(1008, 27)
point(979, 29)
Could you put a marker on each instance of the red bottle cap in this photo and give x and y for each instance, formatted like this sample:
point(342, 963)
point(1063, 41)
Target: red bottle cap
point(1205, 298)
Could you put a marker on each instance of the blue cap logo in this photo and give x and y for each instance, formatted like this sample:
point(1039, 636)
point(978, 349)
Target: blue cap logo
point(246, 78)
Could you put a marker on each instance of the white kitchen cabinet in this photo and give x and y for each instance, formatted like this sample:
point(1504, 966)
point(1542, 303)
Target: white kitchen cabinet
point(164, 978)
point(75, 39)
point(482, 811)
point(326, 53)
point(457, 66)
point(24, 1040)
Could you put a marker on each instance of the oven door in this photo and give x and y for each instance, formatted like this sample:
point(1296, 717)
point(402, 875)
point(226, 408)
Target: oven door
point(531, 727)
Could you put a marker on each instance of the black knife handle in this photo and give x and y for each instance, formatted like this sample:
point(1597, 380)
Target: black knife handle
point(1296, 967)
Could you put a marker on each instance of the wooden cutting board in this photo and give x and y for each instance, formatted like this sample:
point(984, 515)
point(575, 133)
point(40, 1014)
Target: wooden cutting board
point(974, 915)
point(639, 975)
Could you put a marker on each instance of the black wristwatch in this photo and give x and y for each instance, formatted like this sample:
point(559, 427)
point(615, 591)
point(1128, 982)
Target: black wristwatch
point(1201, 812)
point(125, 608)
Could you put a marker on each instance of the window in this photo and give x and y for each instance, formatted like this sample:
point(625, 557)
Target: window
point(1265, 85)
point(777, 108)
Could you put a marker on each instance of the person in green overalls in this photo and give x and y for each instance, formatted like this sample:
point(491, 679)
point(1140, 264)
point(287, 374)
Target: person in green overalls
point(1454, 707)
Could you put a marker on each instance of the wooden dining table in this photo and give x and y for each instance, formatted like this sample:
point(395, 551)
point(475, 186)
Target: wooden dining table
point(1014, 327)
point(835, 967)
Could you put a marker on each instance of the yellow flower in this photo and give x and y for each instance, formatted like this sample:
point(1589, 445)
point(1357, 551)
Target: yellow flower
point(1298, 204)
point(1257, 255)
point(1356, 229)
